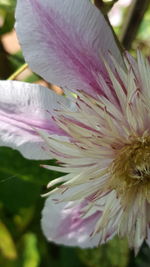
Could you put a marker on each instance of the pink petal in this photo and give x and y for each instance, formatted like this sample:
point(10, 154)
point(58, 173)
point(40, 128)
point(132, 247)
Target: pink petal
point(63, 41)
point(72, 223)
point(24, 109)
point(63, 224)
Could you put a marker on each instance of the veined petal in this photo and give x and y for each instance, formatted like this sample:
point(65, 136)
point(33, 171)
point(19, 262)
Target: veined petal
point(63, 223)
point(64, 40)
point(25, 109)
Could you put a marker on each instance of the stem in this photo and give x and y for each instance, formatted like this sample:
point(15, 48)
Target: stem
point(100, 4)
point(19, 71)
point(104, 6)
point(133, 20)
point(5, 66)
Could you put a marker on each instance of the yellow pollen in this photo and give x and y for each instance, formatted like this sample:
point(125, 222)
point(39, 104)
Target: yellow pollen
point(130, 171)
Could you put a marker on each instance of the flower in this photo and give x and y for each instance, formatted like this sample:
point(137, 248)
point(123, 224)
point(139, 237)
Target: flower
point(100, 136)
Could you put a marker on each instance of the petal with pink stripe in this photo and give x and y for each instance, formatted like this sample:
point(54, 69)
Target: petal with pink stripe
point(25, 109)
point(63, 41)
point(63, 224)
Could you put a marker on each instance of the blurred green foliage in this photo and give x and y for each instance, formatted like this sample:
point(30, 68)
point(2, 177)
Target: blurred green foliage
point(142, 41)
point(22, 182)
point(114, 254)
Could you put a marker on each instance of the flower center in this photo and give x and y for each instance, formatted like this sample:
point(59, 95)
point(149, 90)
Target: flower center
point(131, 168)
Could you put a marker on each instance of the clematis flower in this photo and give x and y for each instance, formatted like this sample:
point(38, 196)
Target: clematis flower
point(100, 135)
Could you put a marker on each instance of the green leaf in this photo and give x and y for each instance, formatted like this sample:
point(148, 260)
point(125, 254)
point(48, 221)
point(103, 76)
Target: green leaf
point(7, 4)
point(7, 8)
point(30, 257)
point(32, 78)
point(23, 218)
point(16, 60)
point(13, 166)
point(115, 254)
point(8, 22)
point(17, 194)
point(7, 246)
point(21, 180)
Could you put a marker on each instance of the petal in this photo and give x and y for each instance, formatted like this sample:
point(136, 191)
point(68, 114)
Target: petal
point(25, 109)
point(62, 223)
point(73, 222)
point(63, 41)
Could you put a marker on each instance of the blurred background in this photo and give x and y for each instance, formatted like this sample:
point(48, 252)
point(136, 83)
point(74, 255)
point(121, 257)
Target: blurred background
point(22, 181)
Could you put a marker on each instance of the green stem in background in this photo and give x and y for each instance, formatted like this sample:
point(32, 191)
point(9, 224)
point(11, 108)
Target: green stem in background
point(136, 12)
point(104, 6)
point(19, 71)
point(5, 66)
point(132, 21)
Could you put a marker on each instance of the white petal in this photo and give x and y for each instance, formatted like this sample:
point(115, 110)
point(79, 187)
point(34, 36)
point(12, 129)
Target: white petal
point(25, 109)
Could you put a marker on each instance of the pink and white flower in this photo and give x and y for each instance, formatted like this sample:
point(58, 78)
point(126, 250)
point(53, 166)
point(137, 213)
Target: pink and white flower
point(101, 136)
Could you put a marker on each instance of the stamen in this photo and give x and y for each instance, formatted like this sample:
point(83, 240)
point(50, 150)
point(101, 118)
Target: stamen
point(131, 168)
